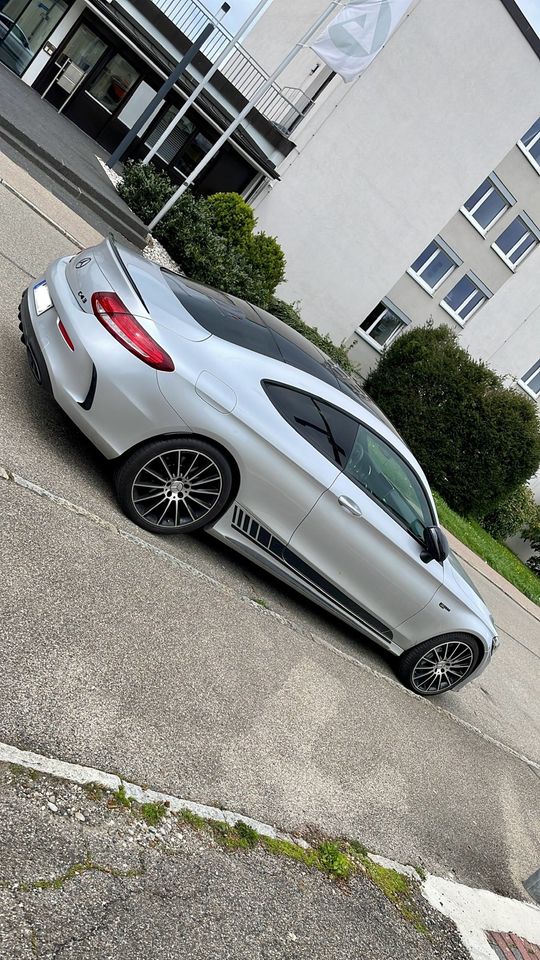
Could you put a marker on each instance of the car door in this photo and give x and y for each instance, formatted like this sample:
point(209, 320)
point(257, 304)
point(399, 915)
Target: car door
point(363, 537)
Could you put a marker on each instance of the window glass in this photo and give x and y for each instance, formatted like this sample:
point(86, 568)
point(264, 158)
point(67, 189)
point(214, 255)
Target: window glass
point(386, 327)
point(193, 153)
point(433, 273)
point(382, 473)
point(330, 431)
point(433, 265)
point(532, 378)
point(532, 132)
point(114, 82)
point(478, 194)
point(511, 235)
point(464, 298)
point(177, 137)
point(428, 252)
point(24, 27)
point(516, 241)
point(490, 208)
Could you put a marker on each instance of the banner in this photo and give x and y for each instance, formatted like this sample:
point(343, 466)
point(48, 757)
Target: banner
point(355, 36)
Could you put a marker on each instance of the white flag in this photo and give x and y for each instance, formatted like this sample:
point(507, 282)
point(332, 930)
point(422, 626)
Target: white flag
point(355, 36)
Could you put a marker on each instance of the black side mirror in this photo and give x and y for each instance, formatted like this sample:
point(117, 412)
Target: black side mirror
point(435, 545)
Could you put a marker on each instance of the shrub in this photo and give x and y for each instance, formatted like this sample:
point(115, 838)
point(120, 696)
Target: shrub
point(211, 239)
point(145, 190)
point(290, 315)
point(532, 533)
point(476, 439)
point(232, 218)
point(512, 514)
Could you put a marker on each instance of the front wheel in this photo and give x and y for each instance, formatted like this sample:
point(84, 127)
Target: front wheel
point(174, 486)
point(438, 665)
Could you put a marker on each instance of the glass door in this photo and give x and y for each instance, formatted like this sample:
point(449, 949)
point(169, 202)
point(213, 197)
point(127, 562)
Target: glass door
point(78, 57)
point(24, 27)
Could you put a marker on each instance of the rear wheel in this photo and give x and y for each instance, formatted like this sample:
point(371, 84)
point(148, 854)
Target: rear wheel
point(174, 486)
point(438, 665)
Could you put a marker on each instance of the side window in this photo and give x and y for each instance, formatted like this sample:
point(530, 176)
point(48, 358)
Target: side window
point(330, 431)
point(382, 473)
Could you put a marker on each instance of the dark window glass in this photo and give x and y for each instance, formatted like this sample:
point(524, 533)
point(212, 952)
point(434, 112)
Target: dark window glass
point(330, 431)
point(532, 132)
point(382, 473)
point(478, 194)
point(492, 206)
point(428, 252)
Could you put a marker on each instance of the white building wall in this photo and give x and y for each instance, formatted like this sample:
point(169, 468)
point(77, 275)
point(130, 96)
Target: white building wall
point(382, 163)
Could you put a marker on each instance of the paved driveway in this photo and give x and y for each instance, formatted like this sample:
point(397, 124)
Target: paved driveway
point(120, 657)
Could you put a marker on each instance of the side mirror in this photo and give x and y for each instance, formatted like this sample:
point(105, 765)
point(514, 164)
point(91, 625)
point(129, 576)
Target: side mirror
point(435, 545)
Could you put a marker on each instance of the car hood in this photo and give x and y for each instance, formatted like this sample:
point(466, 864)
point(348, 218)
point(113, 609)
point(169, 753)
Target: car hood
point(457, 580)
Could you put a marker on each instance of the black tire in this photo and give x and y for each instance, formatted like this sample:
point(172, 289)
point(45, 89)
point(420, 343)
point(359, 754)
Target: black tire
point(177, 485)
point(453, 658)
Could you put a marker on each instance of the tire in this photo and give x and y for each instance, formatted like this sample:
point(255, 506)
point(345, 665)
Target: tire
point(420, 668)
point(177, 485)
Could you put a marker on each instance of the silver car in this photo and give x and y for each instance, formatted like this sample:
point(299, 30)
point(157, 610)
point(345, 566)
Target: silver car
point(219, 416)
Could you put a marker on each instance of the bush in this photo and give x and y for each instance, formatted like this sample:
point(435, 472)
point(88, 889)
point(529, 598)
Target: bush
point(512, 514)
point(476, 439)
point(211, 239)
point(232, 218)
point(145, 190)
point(290, 315)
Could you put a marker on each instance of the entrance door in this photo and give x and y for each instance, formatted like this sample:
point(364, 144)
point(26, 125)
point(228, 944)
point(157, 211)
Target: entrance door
point(77, 59)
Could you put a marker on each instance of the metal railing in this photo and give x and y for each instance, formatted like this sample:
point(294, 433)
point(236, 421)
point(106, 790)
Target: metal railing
point(283, 106)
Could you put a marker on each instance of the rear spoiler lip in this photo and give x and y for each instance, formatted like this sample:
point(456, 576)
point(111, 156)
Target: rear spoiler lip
point(112, 243)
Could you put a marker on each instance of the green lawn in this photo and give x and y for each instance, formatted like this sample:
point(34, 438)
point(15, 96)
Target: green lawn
point(496, 554)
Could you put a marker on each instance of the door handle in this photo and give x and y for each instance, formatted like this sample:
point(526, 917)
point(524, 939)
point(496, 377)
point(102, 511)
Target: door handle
point(350, 506)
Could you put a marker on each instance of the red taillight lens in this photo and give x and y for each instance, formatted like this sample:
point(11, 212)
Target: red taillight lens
point(123, 326)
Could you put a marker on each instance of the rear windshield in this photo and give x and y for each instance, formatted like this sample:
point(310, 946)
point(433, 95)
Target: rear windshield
point(248, 326)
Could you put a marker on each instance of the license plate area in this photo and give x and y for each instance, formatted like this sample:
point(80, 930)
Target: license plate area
point(42, 298)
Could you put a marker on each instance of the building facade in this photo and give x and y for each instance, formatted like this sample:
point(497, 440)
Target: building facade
point(413, 194)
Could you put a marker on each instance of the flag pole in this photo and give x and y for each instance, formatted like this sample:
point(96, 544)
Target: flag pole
point(207, 77)
point(241, 116)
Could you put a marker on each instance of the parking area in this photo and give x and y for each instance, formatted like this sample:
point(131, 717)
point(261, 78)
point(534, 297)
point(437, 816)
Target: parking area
point(156, 664)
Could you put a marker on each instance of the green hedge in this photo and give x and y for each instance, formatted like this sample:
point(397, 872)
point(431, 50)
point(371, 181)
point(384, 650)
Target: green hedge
point(476, 439)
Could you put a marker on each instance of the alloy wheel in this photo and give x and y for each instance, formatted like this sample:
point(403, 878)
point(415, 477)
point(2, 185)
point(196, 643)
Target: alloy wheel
point(442, 667)
point(177, 488)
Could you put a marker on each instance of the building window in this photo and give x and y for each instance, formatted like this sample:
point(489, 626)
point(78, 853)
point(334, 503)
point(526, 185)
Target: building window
point(434, 265)
point(383, 324)
point(530, 145)
point(531, 380)
point(517, 241)
point(487, 204)
point(465, 298)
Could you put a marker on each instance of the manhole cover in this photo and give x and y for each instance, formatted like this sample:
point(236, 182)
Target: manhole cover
point(508, 946)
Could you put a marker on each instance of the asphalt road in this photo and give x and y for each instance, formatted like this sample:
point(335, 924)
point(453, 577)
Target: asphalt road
point(125, 660)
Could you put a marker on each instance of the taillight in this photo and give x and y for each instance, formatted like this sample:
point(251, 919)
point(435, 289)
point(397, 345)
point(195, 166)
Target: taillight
point(123, 326)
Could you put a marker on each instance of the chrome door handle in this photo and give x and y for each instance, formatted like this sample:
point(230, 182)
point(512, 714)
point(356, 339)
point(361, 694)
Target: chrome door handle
point(350, 506)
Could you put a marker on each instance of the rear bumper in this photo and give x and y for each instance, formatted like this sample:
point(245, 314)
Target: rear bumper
point(34, 352)
point(111, 395)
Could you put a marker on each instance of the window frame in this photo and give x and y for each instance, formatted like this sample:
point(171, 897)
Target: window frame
point(480, 288)
point(526, 148)
point(443, 247)
point(531, 228)
point(384, 440)
point(385, 304)
point(530, 374)
point(498, 187)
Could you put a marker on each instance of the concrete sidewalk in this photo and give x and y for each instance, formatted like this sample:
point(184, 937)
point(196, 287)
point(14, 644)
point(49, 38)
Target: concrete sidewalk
point(59, 149)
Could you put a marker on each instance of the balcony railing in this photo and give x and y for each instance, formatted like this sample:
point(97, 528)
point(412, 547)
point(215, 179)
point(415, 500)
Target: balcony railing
point(283, 106)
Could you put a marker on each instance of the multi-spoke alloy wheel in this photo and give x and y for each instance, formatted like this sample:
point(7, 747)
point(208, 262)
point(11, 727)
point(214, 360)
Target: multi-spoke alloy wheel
point(174, 487)
point(438, 665)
